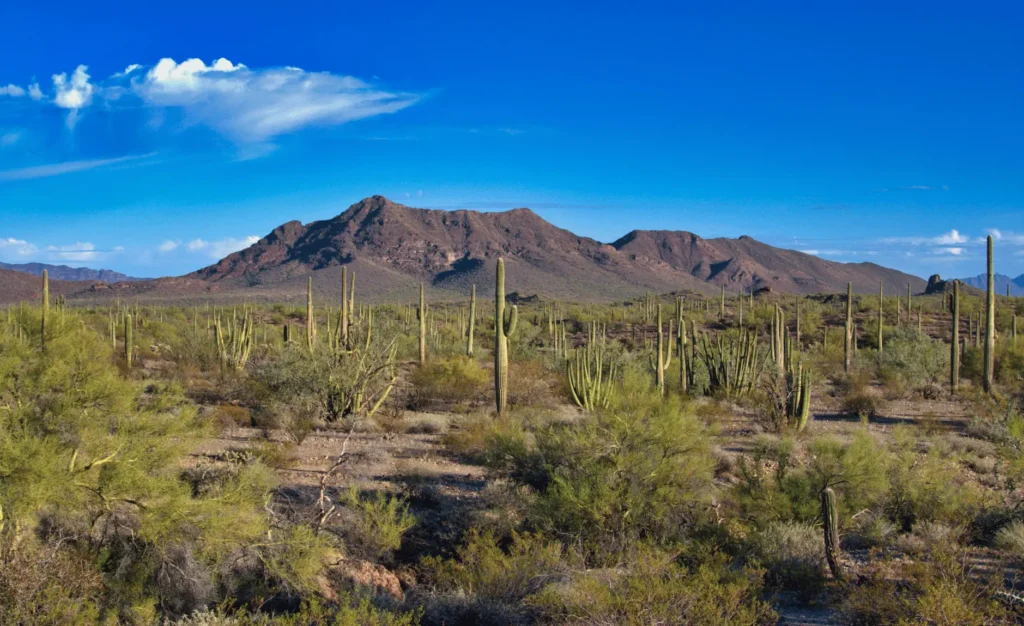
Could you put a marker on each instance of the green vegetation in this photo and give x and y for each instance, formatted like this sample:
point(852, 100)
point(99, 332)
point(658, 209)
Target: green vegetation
point(173, 465)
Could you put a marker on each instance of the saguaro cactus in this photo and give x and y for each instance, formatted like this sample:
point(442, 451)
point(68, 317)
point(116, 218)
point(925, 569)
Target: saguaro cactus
point(472, 322)
point(848, 346)
point(310, 321)
point(344, 325)
point(46, 307)
point(128, 340)
point(881, 314)
point(830, 524)
point(721, 312)
point(504, 327)
point(954, 344)
point(663, 354)
point(421, 315)
point(990, 322)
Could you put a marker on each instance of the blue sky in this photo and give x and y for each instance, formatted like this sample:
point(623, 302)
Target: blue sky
point(154, 139)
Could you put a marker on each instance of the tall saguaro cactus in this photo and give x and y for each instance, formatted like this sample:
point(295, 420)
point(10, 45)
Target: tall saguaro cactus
point(881, 314)
point(472, 323)
point(421, 315)
point(345, 321)
point(663, 357)
point(128, 340)
point(310, 321)
point(954, 344)
point(990, 322)
point(721, 312)
point(848, 346)
point(504, 327)
point(46, 307)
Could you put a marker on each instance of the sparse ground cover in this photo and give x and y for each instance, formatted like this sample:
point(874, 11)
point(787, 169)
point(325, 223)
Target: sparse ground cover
point(191, 466)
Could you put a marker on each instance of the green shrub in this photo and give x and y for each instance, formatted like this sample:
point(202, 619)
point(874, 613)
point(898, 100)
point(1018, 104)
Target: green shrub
point(912, 360)
point(447, 380)
point(657, 590)
point(375, 524)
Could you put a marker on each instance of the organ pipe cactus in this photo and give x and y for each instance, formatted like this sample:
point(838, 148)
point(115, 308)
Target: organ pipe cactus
point(778, 337)
point(733, 361)
point(591, 375)
point(235, 341)
point(504, 327)
point(990, 322)
point(345, 321)
point(830, 525)
point(663, 354)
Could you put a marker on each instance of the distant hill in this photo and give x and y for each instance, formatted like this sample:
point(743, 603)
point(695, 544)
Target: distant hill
point(1002, 281)
point(63, 272)
point(19, 286)
point(393, 248)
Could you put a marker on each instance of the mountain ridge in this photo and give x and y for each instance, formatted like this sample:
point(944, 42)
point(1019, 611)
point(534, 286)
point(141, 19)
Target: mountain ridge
point(393, 248)
point(64, 272)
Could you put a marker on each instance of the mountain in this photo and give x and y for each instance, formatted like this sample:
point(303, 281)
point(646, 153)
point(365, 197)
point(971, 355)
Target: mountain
point(1002, 281)
point(744, 263)
point(394, 247)
point(19, 286)
point(63, 272)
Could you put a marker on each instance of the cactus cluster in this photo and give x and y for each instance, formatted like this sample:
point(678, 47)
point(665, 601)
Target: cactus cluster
point(590, 373)
point(234, 338)
point(734, 362)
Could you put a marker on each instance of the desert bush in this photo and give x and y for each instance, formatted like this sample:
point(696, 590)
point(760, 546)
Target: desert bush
point(655, 589)
point(1010, 538)
point(483, 570)
point(375, 524)
point(861, 401)
point(447, 380)
point(912, 360)
point(792, 554)
point(348, 611)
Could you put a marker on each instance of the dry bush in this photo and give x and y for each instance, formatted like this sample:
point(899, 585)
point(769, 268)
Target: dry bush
point(792, 555)
point(447, 381)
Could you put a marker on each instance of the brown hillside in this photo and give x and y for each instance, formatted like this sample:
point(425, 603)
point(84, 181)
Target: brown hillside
point(745, 263)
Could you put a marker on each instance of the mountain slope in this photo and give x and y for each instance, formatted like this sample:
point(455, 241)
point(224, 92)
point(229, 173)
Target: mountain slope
point(63, 272)
point(745, 263)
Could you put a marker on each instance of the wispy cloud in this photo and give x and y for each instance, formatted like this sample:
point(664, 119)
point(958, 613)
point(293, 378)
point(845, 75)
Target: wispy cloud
point(952, 237)
point(917, 188)
point(20, 250)
point(67, 167)
point(169, 246)
point(11, 247)
point(80, 251)
point(221, 248)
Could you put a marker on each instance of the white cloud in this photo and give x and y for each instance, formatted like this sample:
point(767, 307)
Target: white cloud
point(951, 238)
point(953, 251)
point(75, 93)
point(81, 251)
point(11, 247)
point(12, 90)
point(222, 248)
point(256, 105)
point(169, 246)
point(249, 106)
point(815, 252)
point(67, 167)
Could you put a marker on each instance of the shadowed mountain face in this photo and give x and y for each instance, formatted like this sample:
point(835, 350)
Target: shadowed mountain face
point(392, 248)
point(63, 272)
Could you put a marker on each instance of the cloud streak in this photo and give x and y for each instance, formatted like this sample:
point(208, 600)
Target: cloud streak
point(66, 167)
